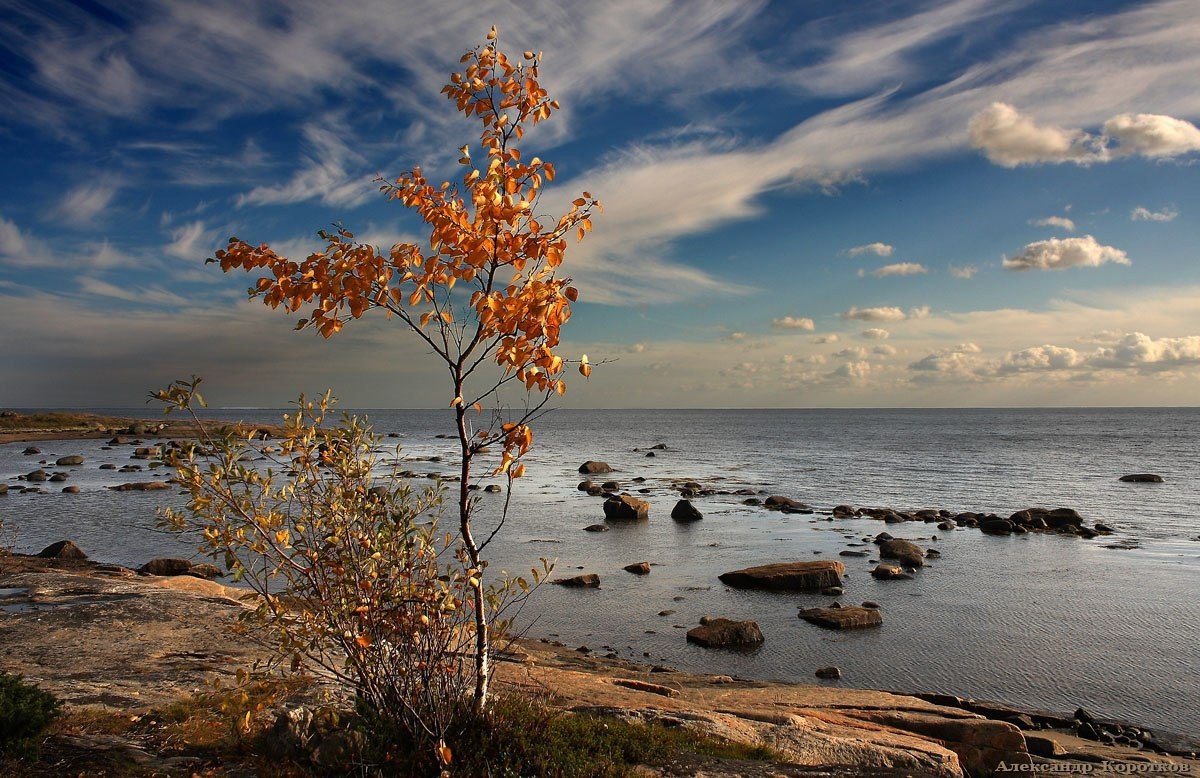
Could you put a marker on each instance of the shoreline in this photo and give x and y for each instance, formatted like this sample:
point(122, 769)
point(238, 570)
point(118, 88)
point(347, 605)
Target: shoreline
point(169, 647)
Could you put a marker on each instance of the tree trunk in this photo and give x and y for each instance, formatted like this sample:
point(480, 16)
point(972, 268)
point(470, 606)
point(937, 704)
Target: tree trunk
point(482, 648)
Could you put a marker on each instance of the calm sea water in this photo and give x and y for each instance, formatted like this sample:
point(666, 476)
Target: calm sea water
point(1038, 621)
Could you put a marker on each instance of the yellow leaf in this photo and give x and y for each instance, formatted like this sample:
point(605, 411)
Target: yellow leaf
point(490, 36)
point(518, 471)
point(457, 401)
point(585, 370)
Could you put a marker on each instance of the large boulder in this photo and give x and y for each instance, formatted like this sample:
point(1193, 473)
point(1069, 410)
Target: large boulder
point(74, 459)
point(996, 526)
point(1063, 517)
point(585, 581)
point(592, 468)
point(166, 566)
point(685, 512)
point(63, 549)
point(905, 552)
point(141, 486)
point(37, 476)
point(725, 633)
point(852, 617)
point(622, 507)
point(1141, 478)
point(785, 504)
point(810, 576)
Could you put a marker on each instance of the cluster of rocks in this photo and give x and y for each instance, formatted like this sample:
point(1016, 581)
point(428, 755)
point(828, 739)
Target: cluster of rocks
point(1064, 521)
point(67, 550)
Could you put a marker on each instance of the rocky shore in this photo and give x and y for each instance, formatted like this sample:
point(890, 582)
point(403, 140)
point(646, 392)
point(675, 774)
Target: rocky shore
point(103, 636)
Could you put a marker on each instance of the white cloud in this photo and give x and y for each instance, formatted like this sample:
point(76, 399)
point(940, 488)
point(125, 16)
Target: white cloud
point(884, 350)
point(19, 248)
point(963, 272)
point(1010, 138)
point(1062, 253)
point(1142, 214)
point(854, 352)
point(875, 333)
point(900, 269)
point(155, 295)
point(854, 371)
point(81, 205)
point(1039, 358)
point(331, 171)
point(793, 323)
point(1136, 350)
point(878, 249)
point(958, 360)
point(1152, 135)
point(1054, 221)
point(191, 241)
point(831, 338)
point(883, 313)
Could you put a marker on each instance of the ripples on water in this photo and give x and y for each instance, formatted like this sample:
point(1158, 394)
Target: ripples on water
point(1038, 621)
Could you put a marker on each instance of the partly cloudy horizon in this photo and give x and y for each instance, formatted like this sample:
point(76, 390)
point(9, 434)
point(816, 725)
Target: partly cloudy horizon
point(914, 204)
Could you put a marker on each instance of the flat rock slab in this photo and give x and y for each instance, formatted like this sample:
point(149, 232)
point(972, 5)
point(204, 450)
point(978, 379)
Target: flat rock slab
point(585, 581)
point(788, 576)
point(1141, 478)
point(852, 617)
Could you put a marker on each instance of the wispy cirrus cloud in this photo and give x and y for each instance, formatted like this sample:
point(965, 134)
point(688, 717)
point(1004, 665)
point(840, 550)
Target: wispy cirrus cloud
point(1143, 214)
point(877, 248)
point(82, 205)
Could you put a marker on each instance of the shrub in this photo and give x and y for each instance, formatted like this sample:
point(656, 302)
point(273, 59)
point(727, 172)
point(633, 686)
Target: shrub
point(25, 711)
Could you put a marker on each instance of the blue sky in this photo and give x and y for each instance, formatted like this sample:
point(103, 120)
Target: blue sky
point(806, 204)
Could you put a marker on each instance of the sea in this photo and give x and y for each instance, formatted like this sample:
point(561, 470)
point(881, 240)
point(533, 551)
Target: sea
point(1047, 622)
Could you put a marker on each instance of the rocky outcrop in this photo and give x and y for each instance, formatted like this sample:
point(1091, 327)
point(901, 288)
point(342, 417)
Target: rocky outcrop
point(725, 633)
point(685, 513)
point(593, 468)
point(1141, 478)
point(63, 549)
point(837, 617)
point(788, 576)
point(585, 581)
point(622, 507)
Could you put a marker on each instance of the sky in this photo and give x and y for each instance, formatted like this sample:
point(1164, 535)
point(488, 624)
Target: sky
point(821, 204)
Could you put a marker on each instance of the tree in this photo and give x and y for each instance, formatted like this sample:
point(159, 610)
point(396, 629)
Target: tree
point(485, 235)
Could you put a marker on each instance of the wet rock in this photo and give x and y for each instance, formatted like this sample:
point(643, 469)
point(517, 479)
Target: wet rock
point(889, 572)
point(37, 476)
point(851, 617)
point(141, 486)
point(69, 461)
point(788, 576)
point(622, 507)
point(610, 486)
point(493, 488)
point(1063, 517)
point(1141, 478)
point(63, 549)
point(685, 512)
point(31, 451)
point(829, 673)
point(996, 527)
point(70, 490)
point(205, 570)
point(933, 553)
point(785, 504)
point(667, 612)
point(659, 447)
point(3, 488)
point(592, 468)
point(751, 501)
point(903, 551)
point(596, 528)
point(870, 604)
point(585, 581)
point(850, 552)
point(58, 478)
point(585, 486)
point(166, 566)
point(108, 466)
point(947, 525)
point(726, 633)
point(650, 453)
point(638, 568)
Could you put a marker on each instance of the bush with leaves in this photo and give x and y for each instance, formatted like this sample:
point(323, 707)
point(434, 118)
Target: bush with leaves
point(25, 710)
point(486, 290)
point(355, 581)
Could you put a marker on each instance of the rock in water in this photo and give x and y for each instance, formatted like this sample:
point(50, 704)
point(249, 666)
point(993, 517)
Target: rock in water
point(31, 451)
point(786, 504)
point(788, 576)
point(205, 571)
point(638, 568)
point(141, 486)
point(886, 572)
point(69, 461)
point(851, 617)
point(63, 549)
point(592, 468)
point(829, 673)
point(726, 633)
point(166, 566)
point(685, 512)
point(622, 507)
point(1141, 478)
point(585, 581)
point(595, 528)
point(905, 552)
point(996, 527)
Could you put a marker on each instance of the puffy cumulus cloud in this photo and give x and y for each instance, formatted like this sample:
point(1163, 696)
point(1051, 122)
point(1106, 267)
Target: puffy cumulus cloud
point(830, 338)
point(877, 248)
point(852, 371)
point(1054, 221)
point(957, 360)
point(1136, 350)
point(884, 313)
point(875, 333)
point(1040, 358)
point(884, 350)
point(1152, 135)
point(1010, 138)
point(793, 323)
point(853, 352)
point(900, 269)
point(1062, 253)
point(1142, 214)
point(963, 272)
point(920, 312)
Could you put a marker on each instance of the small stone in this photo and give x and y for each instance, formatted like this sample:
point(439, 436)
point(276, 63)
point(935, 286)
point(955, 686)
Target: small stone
point(829, 673)
point(638, 568)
